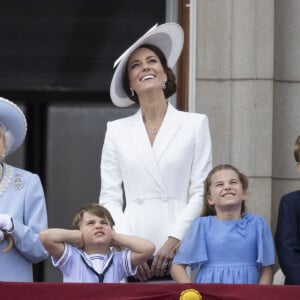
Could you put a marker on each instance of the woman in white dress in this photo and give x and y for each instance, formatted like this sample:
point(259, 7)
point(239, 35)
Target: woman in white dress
point(154, 162)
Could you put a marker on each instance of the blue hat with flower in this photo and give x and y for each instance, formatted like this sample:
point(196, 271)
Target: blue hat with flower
point(13, 120)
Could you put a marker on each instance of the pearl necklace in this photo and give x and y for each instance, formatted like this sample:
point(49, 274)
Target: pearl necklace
point(7, 175)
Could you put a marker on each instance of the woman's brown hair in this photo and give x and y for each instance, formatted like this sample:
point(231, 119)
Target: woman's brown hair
point(171, 86)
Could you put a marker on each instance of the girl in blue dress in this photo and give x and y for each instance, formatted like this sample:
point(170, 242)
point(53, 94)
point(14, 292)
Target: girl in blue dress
point(226, 244)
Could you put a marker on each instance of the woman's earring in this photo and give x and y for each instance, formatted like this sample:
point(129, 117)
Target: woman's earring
point(164, 84)
point(132, 91)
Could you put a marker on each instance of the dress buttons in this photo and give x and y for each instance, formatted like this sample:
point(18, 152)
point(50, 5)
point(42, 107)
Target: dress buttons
point(139, 200)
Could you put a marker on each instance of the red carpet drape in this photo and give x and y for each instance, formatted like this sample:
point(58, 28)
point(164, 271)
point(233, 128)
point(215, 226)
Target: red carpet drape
point(136, 291)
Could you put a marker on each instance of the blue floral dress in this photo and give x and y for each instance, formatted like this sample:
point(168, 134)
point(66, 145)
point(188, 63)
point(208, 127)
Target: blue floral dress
point(230, 251)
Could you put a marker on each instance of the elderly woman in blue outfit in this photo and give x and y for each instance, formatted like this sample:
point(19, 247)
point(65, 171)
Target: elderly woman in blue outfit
point(22, 203)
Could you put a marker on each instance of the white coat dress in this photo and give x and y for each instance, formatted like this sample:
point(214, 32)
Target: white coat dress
point(163, 183)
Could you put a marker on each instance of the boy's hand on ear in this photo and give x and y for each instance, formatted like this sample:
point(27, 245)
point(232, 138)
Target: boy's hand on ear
point(80, 242)
point(113, 242)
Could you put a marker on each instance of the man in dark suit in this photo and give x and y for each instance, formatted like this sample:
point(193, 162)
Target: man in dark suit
point(287, 235)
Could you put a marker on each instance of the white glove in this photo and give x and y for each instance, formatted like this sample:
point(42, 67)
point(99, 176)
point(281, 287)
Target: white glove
point(1, 236)
point(6, 222)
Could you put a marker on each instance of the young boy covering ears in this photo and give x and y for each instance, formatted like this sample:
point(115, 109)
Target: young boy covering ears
point(85, 254)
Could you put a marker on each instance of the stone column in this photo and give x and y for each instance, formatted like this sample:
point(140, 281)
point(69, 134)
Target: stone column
point(234, 87)
point(286, 122)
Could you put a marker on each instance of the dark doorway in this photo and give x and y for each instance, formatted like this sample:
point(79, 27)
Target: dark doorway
point(56, 61)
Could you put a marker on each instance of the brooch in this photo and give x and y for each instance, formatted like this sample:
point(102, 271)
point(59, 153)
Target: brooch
point(18, 182)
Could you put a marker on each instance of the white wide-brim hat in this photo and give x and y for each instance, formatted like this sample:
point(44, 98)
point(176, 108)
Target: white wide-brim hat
point(13, 119)
point(167, 37)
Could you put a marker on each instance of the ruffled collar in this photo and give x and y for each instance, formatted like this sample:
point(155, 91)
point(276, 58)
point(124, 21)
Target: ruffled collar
point(239, 225)
point(242, 224)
